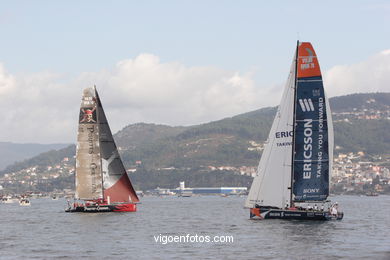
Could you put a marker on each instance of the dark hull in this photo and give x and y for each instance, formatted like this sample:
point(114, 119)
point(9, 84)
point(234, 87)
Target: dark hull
point(268, 213)
point(125, 207)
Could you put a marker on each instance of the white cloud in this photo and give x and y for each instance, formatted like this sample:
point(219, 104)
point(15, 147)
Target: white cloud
point(7, 82)
point(43, 107)
point(371, 75)
point(145, 90)
point(35, 108)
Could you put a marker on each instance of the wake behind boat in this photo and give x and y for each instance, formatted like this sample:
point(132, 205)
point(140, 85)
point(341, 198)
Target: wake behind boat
point(102, 183)
point(292, 180)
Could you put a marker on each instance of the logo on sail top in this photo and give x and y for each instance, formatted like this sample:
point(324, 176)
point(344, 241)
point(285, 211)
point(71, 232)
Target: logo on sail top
point(307, 62)
point(306, 105)
point(88, 115)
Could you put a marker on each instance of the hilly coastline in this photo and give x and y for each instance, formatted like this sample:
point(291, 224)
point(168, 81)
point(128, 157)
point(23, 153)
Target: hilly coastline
point(224, 152)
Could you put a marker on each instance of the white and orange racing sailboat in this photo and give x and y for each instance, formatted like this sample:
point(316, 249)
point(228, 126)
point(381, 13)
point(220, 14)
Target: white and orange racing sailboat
point(292, 180)
point(102, 183)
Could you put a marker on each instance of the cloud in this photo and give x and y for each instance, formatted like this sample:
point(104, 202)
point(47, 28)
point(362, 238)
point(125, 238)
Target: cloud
point(7, 82)
point(371, 75)
point(43, 107)
point(34, 108)
point(146, 90)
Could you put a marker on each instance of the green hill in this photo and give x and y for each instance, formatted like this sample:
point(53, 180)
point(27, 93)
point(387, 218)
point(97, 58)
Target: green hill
point(13, 152)
point(217, 143)
point(377, 101)
point(229, 142)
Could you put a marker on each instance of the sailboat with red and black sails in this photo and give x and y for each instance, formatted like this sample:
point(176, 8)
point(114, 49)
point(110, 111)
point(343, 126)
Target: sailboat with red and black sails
point(102, 183)
point(292, 180)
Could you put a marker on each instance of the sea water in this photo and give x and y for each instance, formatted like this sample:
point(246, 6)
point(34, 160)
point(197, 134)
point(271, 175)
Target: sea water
point(45, 231)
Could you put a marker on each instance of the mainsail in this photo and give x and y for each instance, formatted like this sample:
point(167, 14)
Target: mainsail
point(100, 173)
point(89, 179)
point(311, 141)
point(303, 173)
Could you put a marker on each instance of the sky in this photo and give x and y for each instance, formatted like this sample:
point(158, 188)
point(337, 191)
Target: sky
point(175, 62)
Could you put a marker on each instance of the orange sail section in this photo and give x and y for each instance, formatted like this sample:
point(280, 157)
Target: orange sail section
point(307, 61)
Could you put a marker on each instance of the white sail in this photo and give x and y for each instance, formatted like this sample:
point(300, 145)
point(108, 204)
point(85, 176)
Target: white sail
point(271, 185)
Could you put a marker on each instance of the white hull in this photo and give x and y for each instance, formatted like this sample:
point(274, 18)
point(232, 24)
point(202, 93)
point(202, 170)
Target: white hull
point(9, 201)
point(24, 203)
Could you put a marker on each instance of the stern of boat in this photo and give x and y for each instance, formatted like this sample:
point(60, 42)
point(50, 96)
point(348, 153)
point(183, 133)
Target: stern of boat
point(258, 213)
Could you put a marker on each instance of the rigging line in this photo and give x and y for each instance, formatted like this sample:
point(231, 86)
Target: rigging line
point(294, 123)
point(287, 156)
point(99, 106)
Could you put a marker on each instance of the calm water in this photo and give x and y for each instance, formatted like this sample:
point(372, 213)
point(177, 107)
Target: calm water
point(44, 231)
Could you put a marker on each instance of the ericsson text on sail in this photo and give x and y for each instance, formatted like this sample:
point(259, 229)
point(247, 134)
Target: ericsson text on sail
point(308, 148)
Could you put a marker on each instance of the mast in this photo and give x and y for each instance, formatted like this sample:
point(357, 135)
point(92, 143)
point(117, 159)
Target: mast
point(97, 116)
point(293, 137)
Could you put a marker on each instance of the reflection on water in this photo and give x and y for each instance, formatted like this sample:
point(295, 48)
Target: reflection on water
point(44, 230)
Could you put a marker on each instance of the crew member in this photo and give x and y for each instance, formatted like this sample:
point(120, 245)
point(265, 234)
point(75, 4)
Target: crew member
point(333, 210)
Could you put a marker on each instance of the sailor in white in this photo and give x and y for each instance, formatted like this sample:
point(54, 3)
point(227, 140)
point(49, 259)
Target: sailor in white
point(333, 209)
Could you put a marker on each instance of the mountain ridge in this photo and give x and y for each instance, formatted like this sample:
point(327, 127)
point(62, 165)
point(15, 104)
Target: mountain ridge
point(147, 150)
point(12, 152)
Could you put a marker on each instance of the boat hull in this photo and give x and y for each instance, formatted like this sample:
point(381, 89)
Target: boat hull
point(8, 201)
point(124, 207)
point(270, 213)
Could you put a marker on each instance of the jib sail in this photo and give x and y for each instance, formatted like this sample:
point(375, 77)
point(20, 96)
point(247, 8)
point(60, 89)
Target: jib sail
point(270, 186)
point(116, 183)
